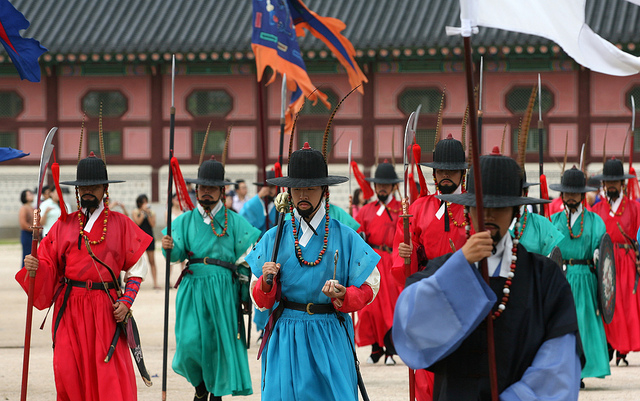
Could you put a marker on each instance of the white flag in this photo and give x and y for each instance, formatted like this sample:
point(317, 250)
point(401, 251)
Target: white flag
point(562, 21)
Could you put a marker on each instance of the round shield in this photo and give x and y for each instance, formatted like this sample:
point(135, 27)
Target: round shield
point(556, 256)
point(606, 272)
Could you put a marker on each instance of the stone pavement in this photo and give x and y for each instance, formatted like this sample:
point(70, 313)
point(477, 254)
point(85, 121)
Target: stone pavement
point(383, 382)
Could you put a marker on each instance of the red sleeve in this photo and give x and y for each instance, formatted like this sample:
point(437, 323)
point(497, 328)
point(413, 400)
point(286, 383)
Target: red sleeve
point(355, 299)
point(264, 299)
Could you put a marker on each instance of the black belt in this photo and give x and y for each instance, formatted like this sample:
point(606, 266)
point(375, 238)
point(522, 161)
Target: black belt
point(205, 261)
point(382, 248)
point(573, 262)
point(89, 285)
point(212, 261)
point(310, 308)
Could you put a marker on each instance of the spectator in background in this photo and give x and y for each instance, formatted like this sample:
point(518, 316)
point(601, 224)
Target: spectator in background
point(229, 193)
point(593, 197)
point(357, 201)
point(240, 198)
point(46, 192)
point(115, 204)
point(50, 211)
point(145, 218)
point(25, 217)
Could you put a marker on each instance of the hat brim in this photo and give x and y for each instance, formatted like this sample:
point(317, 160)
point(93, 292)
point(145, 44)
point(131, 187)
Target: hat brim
point(210, 183)
point(529, 184)
point(86, 183)
point(446, 166)
point(289, 182)
point(603, 177)
point(492, 201)
point(384, 180)
point(571, 190)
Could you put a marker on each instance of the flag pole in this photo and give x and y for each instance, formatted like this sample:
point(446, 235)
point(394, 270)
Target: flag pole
point(477, 180)
point(480, 114)
point(167, 283)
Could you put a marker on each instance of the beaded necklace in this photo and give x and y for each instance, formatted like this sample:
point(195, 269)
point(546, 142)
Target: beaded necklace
point(506, 290)
point(455, 223)
point(325, 240)
point(568, 212)
point(226, 222)
point(104, 222)
point(620, 208)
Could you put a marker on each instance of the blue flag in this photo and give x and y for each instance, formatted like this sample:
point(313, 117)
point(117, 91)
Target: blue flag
point(10, 153)
point(24, 52)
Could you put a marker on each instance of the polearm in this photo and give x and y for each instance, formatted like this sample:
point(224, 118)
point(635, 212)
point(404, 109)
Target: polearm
point(408, 141)
point(47, 149)
point(283, 109)
point(165, 342)
point(279, 210)
point(480, 103)
point(540, 128)
point(477, 180)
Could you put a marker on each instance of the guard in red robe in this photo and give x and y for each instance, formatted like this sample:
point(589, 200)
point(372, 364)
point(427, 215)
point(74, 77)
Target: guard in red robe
point(378, 223)
point(621, 216)
point(84, 319)
point(434, 227)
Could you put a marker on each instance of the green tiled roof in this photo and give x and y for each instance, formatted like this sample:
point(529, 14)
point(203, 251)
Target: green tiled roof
point(86, 30)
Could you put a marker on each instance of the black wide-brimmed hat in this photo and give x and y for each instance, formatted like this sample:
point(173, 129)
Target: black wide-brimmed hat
point(307, 168)
point(91, 171)
point(526, 184)
point(448, 155)
point(270, 174)
point(501, 184)
point(385, 174)
point(573, 182)
point(210, 173)
point(613, 170)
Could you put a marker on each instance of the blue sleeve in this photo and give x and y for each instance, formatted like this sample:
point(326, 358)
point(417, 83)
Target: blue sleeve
point(253, 211)
point(434, 315)
point(554, 374)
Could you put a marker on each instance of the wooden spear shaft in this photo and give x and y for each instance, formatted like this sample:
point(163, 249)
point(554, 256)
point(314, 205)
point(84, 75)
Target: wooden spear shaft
point(477, 181)
point(167, 283)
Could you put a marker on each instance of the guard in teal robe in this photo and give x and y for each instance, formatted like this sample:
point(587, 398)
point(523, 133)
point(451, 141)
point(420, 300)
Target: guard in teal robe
point(210, 349)
point(538, 235)
point(587, 229)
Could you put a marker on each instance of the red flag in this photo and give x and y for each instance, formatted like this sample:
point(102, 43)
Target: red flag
point(544, 194)
point(181, 188)
point(634, 188)
point(417, 154)
point(55, 171)
point(367, 192)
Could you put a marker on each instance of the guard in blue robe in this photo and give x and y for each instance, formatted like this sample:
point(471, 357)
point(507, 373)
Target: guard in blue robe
point(308, 352)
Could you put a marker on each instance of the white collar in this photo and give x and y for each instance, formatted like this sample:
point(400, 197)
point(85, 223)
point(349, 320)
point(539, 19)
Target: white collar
point(614, 205)
point(384, 204)
point(506, 243)
point(94, 216)
point(303, 227)
point(205, 217)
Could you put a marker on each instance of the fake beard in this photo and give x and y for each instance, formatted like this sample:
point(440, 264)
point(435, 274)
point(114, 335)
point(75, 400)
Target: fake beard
point(207, 203)
point(571, 205)
point(613, 193)
point(447, 189)
point(305, 213)
point(268, 199)
point(91, 202)
point(383, 198)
